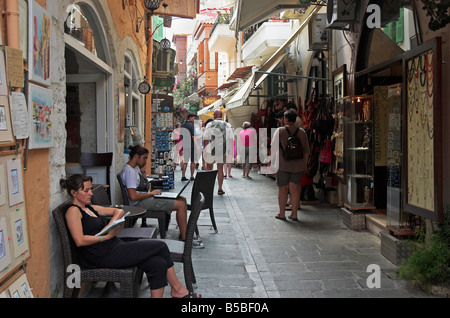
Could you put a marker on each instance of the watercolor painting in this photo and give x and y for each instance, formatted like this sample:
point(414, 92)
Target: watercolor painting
point(40, 111)
point(39, 35)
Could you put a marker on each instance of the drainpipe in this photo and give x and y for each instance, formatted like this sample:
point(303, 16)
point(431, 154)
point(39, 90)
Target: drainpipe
point(12, 23)
point(148, 97)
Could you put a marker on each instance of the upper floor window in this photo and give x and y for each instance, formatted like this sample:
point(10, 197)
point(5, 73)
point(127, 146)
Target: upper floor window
point(80, 24)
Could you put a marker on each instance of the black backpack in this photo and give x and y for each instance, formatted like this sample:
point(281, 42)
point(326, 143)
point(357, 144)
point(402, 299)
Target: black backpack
point(294, 148)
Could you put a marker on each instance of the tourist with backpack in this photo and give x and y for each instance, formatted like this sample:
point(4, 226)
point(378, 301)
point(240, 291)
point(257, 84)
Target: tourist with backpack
point(218, 142)
point(293, 152)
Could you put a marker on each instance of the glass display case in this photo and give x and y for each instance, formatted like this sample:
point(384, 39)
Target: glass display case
point(359, 152)
point(339, 89)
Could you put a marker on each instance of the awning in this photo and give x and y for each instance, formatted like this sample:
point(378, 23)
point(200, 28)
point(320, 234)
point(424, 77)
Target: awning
point(214, 106)
point(242, 95)
point(269, 70)
point(244, 92)
point(253, 12)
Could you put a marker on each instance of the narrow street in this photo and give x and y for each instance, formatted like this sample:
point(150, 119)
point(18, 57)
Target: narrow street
point(255, 255)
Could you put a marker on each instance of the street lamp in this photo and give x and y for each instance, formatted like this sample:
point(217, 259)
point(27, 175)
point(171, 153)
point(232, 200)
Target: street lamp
point(165, 44)
point(152, 5)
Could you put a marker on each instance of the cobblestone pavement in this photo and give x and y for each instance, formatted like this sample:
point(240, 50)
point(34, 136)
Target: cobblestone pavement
point(254, 255)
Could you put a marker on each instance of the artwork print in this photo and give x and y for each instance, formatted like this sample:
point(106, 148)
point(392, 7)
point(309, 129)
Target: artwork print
point(5, 257)
point(40, 111)
point(15, 184)
point(21, 288)
point(39, 35)
point(6, 133)
point(18, 227)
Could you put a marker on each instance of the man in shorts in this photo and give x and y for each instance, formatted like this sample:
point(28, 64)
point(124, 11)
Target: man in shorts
point(290, 172)
point(140, 194)
point(218, 142)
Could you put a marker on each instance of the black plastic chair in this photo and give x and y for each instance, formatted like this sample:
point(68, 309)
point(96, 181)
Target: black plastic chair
point(180, 251)
point(163, 217)
point(204, 182)
point(129, 278)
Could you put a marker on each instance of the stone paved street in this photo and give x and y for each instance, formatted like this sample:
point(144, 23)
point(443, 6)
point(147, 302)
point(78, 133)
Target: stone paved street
point(255, 255)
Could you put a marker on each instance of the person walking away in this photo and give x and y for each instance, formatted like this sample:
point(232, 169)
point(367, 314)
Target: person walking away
point(188, 142)
point(218, 141)
point(290, 171)
point(177, 149)
point(248, 141)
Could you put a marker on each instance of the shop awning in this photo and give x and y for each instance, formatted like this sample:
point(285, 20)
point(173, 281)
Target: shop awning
point(269, 70)
point(242, 95)
point(253, 12)
point(211, 108)
point(240, 98)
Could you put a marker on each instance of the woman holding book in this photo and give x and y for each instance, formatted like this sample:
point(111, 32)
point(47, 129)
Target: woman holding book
point(84, 221)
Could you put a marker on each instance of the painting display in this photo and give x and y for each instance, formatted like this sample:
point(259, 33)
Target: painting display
point(15, 183)
point(39, 35)
point(40, 106)
point(21, 288)
point(6, 134)
point(5, 255)
point(19, 232)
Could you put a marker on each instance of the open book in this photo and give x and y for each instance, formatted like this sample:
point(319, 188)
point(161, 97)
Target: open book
point(112, 225)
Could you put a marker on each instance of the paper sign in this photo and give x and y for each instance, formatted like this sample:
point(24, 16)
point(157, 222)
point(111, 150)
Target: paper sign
point(19, 115)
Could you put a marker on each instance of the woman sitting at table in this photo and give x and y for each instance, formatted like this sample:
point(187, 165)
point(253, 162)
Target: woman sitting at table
point(108, 251)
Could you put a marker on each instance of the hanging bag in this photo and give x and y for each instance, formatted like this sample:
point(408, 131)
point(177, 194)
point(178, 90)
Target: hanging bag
point(326, 153)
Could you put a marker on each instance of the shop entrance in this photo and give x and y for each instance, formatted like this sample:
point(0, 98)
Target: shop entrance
point(90, 116)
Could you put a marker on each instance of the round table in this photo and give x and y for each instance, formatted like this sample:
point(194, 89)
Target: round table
point(135, 211)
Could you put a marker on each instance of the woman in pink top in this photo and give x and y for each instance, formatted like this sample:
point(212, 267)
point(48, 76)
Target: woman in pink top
point(247, 149)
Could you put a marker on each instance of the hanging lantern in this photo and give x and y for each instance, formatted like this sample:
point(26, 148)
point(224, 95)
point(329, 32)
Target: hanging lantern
point(165, 44)
point(152, 5)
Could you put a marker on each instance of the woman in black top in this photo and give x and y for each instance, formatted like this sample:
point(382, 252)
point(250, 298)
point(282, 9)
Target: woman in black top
point(108, 251)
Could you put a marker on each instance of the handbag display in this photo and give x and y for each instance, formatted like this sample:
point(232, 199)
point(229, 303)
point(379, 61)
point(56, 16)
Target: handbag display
point(326, 155)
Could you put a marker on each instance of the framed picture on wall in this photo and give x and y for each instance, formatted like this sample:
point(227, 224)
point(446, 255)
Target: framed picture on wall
point(3, 79)
point(21, 288)
point(40, 108)
point(19, 232)
point(39, 35)
point(5, 255)
point(23, 27)
point(2, 185)
point(15, 181)
point(6, 133)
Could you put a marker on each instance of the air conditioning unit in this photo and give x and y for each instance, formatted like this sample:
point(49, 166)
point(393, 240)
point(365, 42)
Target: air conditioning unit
point(341, 13)
point(319, 35)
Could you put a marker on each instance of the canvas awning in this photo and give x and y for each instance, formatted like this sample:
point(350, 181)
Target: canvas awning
point(269, 70)
point(242, 94)
point(253, 12)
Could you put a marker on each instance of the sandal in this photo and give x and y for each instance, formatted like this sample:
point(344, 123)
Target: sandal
point(191, 295)
point(278, 217)
point(220, 192)
point(293, 219)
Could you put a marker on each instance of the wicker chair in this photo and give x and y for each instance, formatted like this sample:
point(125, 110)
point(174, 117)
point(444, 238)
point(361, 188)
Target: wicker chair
point(204, 182)
point(182, 251)
point(100, 196)
point(163, 217)
point(129, 278)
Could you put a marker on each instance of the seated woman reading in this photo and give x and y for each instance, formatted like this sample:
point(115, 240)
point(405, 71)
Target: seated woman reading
point(108, 251)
